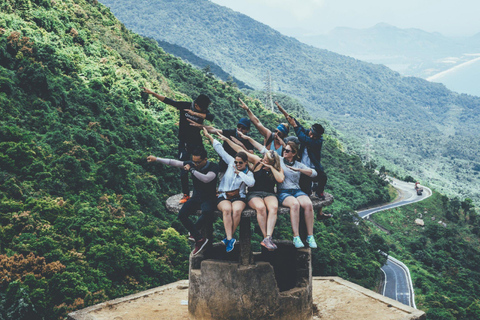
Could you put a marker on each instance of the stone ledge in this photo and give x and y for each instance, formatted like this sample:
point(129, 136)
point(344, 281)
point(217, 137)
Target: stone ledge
point(173, 205)
point(334, 298)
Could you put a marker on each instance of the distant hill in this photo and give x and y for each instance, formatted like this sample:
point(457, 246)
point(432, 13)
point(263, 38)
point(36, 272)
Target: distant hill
point(411, 52)
point(413, 125)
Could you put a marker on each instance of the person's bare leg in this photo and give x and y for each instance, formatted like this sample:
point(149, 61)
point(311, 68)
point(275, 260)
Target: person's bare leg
point(226, 208)
point(258, 205)
point(306, 205)
point(272, 208)
point(237, 208)
point(294, 206)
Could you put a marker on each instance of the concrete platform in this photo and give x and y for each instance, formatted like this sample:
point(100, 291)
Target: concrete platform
point(333, 298)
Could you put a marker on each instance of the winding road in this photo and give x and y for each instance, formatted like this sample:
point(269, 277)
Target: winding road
point(398, 283)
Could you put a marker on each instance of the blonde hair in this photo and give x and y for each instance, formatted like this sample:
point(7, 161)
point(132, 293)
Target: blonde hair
point(274, 159)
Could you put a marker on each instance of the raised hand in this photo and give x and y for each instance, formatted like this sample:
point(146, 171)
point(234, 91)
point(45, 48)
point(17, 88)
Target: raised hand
point(243, 105)
point(146, 90)
point(285, 113)
point(151, 158)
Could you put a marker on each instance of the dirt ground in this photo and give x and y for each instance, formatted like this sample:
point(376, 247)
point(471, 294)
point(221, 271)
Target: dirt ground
point(333, 298)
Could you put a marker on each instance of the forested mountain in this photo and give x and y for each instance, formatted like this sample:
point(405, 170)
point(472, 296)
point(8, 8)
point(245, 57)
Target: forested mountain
point(411, 124)
point(82, 216)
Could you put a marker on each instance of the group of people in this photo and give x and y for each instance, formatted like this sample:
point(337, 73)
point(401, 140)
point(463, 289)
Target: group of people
point(289, 165)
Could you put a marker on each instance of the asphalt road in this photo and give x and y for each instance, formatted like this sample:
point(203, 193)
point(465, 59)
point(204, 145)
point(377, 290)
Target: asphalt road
point(407, 195)
point(398, 284)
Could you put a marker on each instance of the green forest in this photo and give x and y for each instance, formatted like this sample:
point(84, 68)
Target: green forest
point(413, 126)
point(82, 215)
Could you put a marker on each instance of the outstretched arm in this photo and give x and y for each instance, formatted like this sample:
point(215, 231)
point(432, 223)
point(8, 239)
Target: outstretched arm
point(289, 118)
point(251, 157)
point(305, 170)
point(168, 162)
point(254, 143)
point(285, 113)
point(156, 95)
point(263, 131)
point(210, 129)
point(219, 148)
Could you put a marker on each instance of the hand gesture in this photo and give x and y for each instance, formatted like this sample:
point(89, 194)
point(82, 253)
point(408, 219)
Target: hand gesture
point(221, 136)
point(189, 111)
point(147, 91)
point(241, 135)
point(195, 124)
point(291, 121)
point(151, 159)
point(235, 169)
point(277, 137)
point(187, 167)
point(205, 132)
point(243, 105)
point(266, 165)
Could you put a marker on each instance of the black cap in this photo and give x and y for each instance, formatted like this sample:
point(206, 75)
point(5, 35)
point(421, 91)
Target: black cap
point(203, 101)
point(317, 130)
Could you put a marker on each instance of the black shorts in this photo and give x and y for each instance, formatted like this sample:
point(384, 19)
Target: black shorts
point(220, 199)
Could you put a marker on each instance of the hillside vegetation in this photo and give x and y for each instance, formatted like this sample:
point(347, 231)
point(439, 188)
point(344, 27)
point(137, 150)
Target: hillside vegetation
point(413, 125)
point(443, 256)
point(82, 216)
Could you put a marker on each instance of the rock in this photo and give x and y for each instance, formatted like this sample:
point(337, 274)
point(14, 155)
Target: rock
point(419, 222)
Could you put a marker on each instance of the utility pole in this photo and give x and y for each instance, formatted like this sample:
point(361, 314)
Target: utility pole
point(268, 91)
point(367, 151)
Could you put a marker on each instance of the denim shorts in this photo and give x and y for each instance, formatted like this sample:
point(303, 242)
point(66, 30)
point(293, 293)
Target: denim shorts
point(284, 193)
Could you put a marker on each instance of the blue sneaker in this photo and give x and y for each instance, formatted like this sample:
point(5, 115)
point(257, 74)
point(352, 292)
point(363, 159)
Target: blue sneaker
point(231, 244)
point(225, 241)
point(297, 242)
point(311, 242)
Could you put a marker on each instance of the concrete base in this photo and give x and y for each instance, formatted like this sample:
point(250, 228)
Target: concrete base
point(227, 290)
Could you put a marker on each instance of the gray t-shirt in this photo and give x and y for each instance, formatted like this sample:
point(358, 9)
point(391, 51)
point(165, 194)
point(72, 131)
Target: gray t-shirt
point(292, 177)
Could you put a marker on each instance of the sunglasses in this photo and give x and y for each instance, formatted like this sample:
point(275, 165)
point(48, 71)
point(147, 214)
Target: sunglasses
point(238, 162)
point(198, 162)
point(240, 127)
point(288, 151)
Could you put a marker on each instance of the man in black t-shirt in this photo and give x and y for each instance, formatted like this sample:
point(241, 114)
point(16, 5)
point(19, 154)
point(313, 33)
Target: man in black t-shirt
point(189, 136)
point(204, 176)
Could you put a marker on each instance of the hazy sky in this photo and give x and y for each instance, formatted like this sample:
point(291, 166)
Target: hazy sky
point(449, 17)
